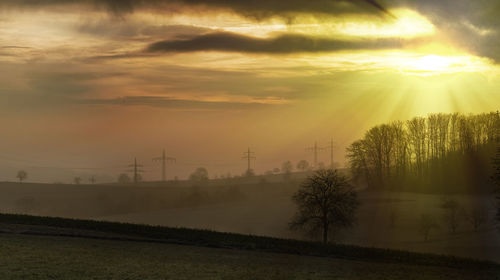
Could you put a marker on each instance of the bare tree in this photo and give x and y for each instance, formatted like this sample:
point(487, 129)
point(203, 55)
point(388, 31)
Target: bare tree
point(426, 225)
point(124, 179)
point(303, 165)
point(496, 179)
point(249, 173)
point(477, 216)
point(21, 175)
point(77, 180)
point(451, 215)
point(199, 175)
point(421, 149)
point(326, 201)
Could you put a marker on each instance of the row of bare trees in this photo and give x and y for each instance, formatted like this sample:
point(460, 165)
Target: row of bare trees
point(415, 147)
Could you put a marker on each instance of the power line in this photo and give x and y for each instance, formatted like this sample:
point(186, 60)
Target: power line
point(164, 159)
point(249, 155)
point(332, 144)
point(136, 170)
point(315, 149)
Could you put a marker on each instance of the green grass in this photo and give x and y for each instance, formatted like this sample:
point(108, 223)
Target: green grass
point(50, 257)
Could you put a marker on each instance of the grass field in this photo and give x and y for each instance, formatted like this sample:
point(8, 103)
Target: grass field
point(49, 257)
point(264, 209)
point(54, 248)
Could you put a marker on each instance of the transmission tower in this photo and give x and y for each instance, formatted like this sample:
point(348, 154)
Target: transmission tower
point(248, 155)
point(315, 149)
point(164, 160)
point(136, 170)
point(331, 152)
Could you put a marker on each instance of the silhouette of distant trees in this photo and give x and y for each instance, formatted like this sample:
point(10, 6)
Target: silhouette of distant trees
point(326, 202)
point(303, 165)
point(199, 175)
point(249, 173)
point(421, 150)
point(477, 216)
point(77, 180)
point(22, 175)
point(451, 216)
point(426, 225)
point(496, 180)
point(123, 178)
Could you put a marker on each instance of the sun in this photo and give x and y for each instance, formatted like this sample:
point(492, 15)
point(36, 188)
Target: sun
point(433, 64)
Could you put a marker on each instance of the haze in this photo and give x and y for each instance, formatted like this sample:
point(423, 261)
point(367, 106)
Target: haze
point(87, 86)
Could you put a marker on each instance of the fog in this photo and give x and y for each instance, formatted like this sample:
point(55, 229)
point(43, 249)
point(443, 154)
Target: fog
point(262, 205)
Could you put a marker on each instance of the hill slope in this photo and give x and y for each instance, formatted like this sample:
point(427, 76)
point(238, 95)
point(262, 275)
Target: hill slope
point(125, 251)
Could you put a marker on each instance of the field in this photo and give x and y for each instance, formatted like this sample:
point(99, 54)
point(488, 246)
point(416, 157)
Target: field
point(36, 257)
point(374, 228)
point(126, 251)
point(385, 219)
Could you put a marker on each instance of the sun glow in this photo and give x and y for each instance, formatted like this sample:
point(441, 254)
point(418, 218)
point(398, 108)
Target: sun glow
point(407, 24)
point(425, 65)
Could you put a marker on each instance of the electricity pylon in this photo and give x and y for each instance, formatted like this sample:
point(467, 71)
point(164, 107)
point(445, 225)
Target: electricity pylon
point(136, 170)
point(331, 153)
point(164, 159)
point(249, 156)
point(315, 149)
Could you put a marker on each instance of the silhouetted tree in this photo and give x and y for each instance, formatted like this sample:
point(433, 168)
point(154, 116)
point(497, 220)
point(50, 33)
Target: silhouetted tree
point(424, 150)
point(276, 170)
point(199, 175)
point(477, 216)
point(426, 225)
point(77, 180)
point(326, 201)
point(92, 180)
point(451, 216)
point(249, 173)
point(496, 180)
point(124, 179)
point(21, 175)
point(303, 165)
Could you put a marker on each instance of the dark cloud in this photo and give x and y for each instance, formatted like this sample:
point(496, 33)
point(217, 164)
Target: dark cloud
point(171, 103)
point(121, 30)
point(471, 25)
point(256, 8)
point(283, 44)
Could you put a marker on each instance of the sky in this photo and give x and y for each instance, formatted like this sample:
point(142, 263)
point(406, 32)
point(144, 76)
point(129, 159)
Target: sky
point(86, 86)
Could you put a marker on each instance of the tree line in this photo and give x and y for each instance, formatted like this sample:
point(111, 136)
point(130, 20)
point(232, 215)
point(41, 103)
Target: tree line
point(427, 151)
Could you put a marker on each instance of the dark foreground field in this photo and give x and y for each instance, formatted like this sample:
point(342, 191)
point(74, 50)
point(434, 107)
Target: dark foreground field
point(46, 248)
point(49, 257)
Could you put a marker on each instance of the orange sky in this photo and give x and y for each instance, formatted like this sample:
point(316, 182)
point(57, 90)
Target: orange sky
point(96, 83)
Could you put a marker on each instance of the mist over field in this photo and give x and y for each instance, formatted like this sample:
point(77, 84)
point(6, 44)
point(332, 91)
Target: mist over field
point(349, 139)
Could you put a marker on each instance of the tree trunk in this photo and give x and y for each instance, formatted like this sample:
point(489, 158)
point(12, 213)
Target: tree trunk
point(325, 233)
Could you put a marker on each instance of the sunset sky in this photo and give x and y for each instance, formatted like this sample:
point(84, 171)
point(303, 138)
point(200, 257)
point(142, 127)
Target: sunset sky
point(92, 84)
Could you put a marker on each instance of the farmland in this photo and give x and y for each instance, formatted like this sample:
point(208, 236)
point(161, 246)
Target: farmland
point(125, 251)
point(261, 209)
